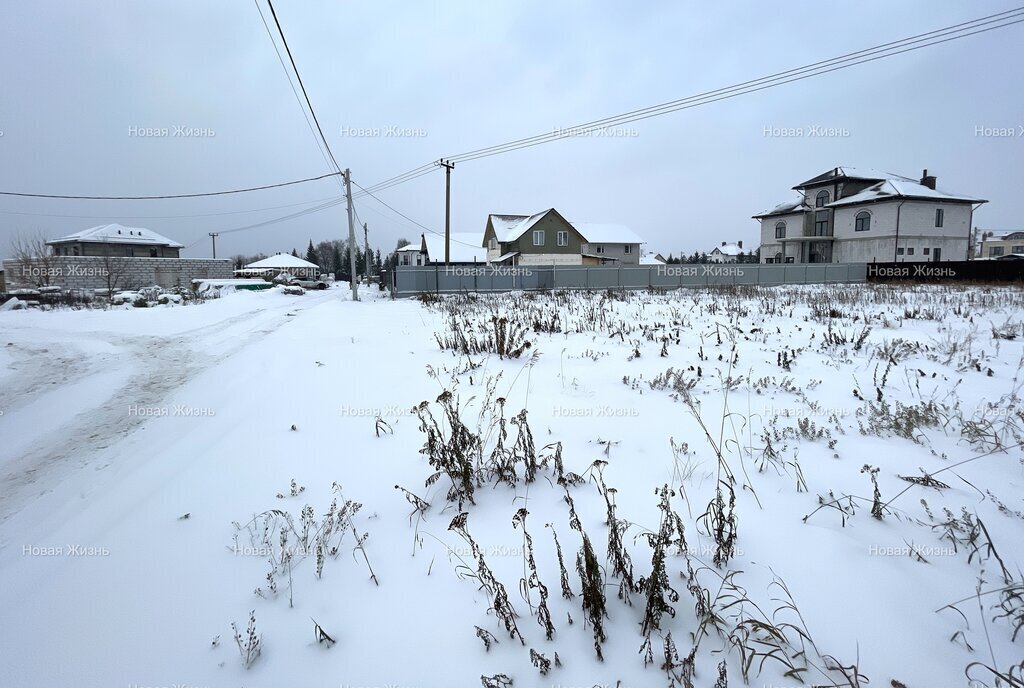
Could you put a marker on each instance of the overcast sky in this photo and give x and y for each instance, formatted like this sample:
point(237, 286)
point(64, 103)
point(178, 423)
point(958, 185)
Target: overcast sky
point(463, 75)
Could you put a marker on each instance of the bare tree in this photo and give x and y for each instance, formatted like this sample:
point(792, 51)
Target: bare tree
point(114, 272)
point(34, 260)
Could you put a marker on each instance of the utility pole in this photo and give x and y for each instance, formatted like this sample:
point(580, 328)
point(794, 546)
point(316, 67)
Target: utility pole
point(351, 236)
point(366, 243)
point(213, 236)
point(448, 167)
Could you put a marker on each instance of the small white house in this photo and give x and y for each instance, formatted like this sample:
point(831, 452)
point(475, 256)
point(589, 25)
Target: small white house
point(464, 248)
point(276, 264)
point(726, 253)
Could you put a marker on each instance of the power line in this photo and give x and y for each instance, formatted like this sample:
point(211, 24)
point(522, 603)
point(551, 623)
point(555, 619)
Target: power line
point(302, 86)
point(154, 198)
point(917, 42)
point(167, 217)
point(422, 226)
point(291, 216)
point(291, 83)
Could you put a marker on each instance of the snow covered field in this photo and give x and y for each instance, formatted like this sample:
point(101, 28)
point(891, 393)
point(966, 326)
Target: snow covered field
point(844, 502)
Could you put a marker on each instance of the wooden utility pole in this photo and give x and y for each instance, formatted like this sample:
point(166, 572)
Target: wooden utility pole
point(448, 167)
point(351, 236)
point(213, 236)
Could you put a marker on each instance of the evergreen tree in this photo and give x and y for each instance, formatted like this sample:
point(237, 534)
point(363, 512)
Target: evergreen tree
point(311, 254)
point(377, 264)
point(335, 259)
point(295, 253)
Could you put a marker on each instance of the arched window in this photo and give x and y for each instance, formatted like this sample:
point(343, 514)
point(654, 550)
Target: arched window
point(780, 230)
point(863, 222)
point(821, 200)
point(778, 257)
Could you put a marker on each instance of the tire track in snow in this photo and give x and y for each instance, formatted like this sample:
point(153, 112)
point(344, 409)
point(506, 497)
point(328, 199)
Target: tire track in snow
point(158, 365)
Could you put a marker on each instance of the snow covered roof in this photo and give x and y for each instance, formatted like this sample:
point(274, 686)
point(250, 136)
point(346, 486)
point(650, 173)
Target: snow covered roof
point(119, 234)
point(728, 250)
point(902, 188)
point(511, 227)
point(465, 247)
point(1001, 234)
point(787, 208)
point(416, 248)
point(846, 172)
point(651, 260)
point(281, 261)
point(506, 256)
point(596, 233)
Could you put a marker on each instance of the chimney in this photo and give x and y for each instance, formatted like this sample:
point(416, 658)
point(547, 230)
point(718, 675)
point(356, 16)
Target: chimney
point(928, 180)
point(723, 243)
point(739, 244)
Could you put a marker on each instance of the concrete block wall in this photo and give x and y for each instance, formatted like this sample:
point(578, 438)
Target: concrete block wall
point(91, 272)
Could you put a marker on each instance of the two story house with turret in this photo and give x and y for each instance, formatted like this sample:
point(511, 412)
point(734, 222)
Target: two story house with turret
point(856, 215)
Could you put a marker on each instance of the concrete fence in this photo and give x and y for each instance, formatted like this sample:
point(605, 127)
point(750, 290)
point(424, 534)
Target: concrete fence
point(440, 279)
point(116, 272)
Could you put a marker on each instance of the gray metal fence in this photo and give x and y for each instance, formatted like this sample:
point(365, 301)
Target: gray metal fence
point(441, 279)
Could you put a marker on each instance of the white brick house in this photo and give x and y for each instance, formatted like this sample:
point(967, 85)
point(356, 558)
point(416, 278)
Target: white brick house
point(851, 215)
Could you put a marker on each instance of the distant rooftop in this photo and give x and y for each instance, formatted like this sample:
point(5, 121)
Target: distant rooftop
point(118, 234)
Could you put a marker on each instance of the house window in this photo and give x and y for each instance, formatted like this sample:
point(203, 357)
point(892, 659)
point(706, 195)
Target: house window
point(863, 222)
point(789, 259)
point(492, 244)
point(910, 251)
point(821, 223)
point(405, 258)
point(939, 216)
point(780, 230)
point(627, 249)
point(821, 200)
point(538, 237)
point(128, 251)
point(995, 251)
point(1017, 249)
point(76, 249)
point(778, 257)
point(899, 251)
point(562, 237)
point(599, 249)
point(927, 251)
point(154, 253)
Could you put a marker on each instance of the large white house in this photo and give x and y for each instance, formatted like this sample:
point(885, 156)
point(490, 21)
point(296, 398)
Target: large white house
point(856, 215)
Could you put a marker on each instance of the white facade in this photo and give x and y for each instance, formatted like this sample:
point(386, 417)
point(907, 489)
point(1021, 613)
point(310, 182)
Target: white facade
point(868, 217)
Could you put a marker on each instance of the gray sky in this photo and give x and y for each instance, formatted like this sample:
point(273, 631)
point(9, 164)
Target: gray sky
point(466, 75)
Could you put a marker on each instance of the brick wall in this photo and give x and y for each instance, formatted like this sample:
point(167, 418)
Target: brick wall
point(94, 272)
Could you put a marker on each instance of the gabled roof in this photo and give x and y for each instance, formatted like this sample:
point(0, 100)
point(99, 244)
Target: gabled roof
point(787, 208)
point(465, 247)
point(845, 172)
point(596, 233)
point(728, 250)
point(118, 234)
point(905, 189)
point(414, 248)
point(511, 227)
point(281, 261)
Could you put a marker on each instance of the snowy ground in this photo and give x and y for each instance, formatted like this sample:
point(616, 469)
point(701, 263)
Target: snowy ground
point(115, 425)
